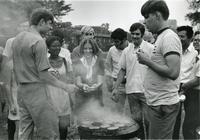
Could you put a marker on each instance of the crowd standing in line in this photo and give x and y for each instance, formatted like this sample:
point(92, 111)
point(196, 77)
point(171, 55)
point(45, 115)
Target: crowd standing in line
point(45, 84)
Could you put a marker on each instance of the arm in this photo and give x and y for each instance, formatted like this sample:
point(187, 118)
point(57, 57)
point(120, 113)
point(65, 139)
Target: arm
point(46, 77)
point(81, 85)
point(7, 77)
point(192, 83)
point(120, 78)
point(170, 70)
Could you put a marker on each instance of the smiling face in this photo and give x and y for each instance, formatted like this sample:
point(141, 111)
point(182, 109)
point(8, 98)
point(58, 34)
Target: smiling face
point(88, 50)
point(136, 37)
point(55, 48)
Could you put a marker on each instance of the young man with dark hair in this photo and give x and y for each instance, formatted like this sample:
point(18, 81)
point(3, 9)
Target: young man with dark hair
point(134, 72)
point(185, 34)
point(192, 93)
point(119, 38)
point(31, 69)
point(162, 77)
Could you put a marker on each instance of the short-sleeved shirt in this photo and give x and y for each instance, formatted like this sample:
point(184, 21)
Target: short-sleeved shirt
point(160, 90)
point(187, 63)
point(30, 56)
point(196, 71)
point(112, 61)
point(134, 70)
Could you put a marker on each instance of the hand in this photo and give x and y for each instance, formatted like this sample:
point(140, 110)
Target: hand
point(86, 88)
point(115, 95)
point(93, 87)
point(143, 57)
point(185, 87)
point(13, 109)
point(109, 83)
point(71, 88)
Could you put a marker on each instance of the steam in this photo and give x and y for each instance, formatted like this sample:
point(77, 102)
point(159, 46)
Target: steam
point(92, 111)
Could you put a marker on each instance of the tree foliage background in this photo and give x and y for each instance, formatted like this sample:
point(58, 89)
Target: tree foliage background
point(15, 12)
point(194, 16)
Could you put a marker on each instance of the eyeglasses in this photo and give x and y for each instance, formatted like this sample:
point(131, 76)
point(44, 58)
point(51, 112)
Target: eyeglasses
point(89, 34)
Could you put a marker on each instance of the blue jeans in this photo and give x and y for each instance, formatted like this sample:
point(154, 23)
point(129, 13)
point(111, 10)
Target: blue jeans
point(162, 120)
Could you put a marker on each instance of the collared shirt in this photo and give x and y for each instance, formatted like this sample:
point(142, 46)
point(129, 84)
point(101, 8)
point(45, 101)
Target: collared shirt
point(29, 56)
point(135, 71)
point(187, 63)
point(160, 90)
point(112, 61)
point(196, 71)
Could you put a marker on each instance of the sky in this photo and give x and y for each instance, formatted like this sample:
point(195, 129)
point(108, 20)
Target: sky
point(118, 13)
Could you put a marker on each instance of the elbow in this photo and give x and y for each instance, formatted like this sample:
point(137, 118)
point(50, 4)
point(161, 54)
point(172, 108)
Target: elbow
point(174, 76)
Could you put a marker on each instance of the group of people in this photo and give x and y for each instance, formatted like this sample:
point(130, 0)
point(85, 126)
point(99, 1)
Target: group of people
point(46, 85)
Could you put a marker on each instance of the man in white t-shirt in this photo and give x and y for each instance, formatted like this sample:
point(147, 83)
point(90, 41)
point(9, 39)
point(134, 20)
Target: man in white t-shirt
point(134, 71)
point(162, 77)
point(119, 37)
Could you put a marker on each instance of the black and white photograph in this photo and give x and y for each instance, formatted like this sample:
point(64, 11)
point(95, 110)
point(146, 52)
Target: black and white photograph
point(99, 69)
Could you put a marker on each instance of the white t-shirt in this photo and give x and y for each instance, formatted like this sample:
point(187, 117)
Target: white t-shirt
point(112, 61)
point(135, 71)
point(160, 90)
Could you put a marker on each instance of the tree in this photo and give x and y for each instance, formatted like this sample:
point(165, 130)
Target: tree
point(105, 25)
point(57, 7)
point(194, 16)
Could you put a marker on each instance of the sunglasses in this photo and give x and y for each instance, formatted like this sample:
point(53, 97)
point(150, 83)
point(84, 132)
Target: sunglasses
point(89, 34)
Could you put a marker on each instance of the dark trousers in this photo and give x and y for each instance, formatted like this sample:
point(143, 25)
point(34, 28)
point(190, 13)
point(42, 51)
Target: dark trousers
point(177, 125)
point(138, 108)
point(192, 113)
point(161, 120)
point(11, 129)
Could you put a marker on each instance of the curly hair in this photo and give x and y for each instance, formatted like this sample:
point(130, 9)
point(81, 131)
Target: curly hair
point(51, 39)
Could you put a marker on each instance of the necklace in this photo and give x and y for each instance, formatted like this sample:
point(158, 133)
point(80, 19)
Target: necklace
point(56, 63)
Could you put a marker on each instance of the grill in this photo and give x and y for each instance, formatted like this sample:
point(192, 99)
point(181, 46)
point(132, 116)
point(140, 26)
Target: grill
point(106, 130)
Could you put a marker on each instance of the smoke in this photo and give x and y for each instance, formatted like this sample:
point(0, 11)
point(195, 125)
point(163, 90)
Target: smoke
point(92, 111)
